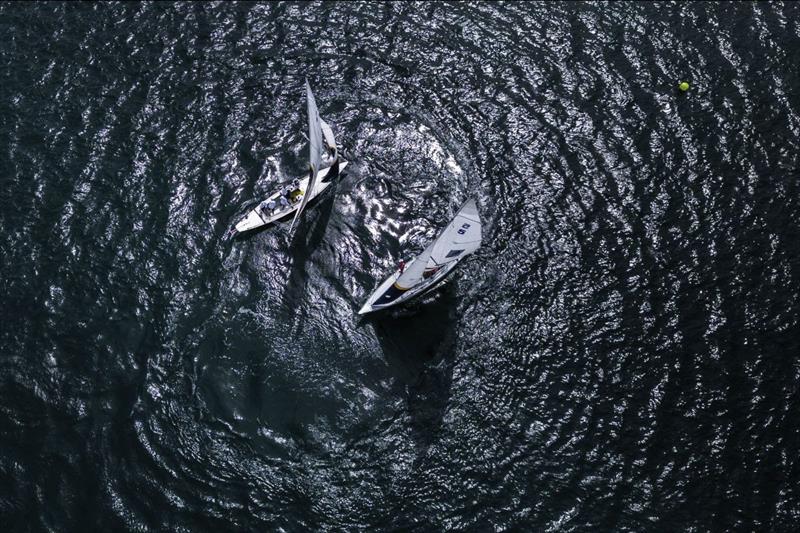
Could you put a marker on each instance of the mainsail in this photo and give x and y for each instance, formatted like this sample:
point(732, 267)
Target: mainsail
point(315, 150)
point(461, 237)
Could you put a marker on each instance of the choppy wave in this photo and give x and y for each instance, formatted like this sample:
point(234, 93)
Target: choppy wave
point(621, 354)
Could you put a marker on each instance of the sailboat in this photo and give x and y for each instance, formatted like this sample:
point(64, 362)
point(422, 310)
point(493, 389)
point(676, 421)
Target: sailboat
point(461, 237)
point(294, 198)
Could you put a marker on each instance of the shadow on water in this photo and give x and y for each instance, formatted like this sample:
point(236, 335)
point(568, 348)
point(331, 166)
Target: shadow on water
point(305, 241)
point(418, 344)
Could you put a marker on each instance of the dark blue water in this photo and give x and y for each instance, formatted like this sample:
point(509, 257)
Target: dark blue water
point(620, 355)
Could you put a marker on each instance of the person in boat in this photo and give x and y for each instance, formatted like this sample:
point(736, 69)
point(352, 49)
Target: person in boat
point(295, 193)
point(401, 266)
point(430, 272)
point(268, 206)
point(283, 202)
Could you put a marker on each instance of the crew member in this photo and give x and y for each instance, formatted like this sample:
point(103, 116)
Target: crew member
point(296, 192)
point(268, 206)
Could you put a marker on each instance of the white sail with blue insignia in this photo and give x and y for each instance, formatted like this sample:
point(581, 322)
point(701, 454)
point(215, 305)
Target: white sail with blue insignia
point(461, 237)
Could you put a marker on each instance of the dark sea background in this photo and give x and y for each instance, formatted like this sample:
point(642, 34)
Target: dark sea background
point(620, 355)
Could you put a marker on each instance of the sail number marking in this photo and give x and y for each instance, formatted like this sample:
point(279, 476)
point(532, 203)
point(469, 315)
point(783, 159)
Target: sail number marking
point(464, 228)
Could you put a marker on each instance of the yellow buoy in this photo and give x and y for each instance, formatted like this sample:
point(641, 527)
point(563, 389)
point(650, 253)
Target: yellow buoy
point(683, 86)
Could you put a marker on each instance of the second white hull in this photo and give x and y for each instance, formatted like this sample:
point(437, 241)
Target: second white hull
point(424, 286)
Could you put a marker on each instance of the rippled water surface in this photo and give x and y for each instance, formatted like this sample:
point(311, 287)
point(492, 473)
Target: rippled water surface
point(621, 354)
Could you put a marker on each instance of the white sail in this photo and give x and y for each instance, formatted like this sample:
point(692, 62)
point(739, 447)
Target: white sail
point(314, 130)
point(315, 150)
point(460, 238)
point(330, 141)
point(413, 274)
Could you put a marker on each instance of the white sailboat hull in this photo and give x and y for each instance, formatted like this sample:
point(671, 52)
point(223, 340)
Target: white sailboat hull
point(459, 239)
point(423, 287)
point(257, 218)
